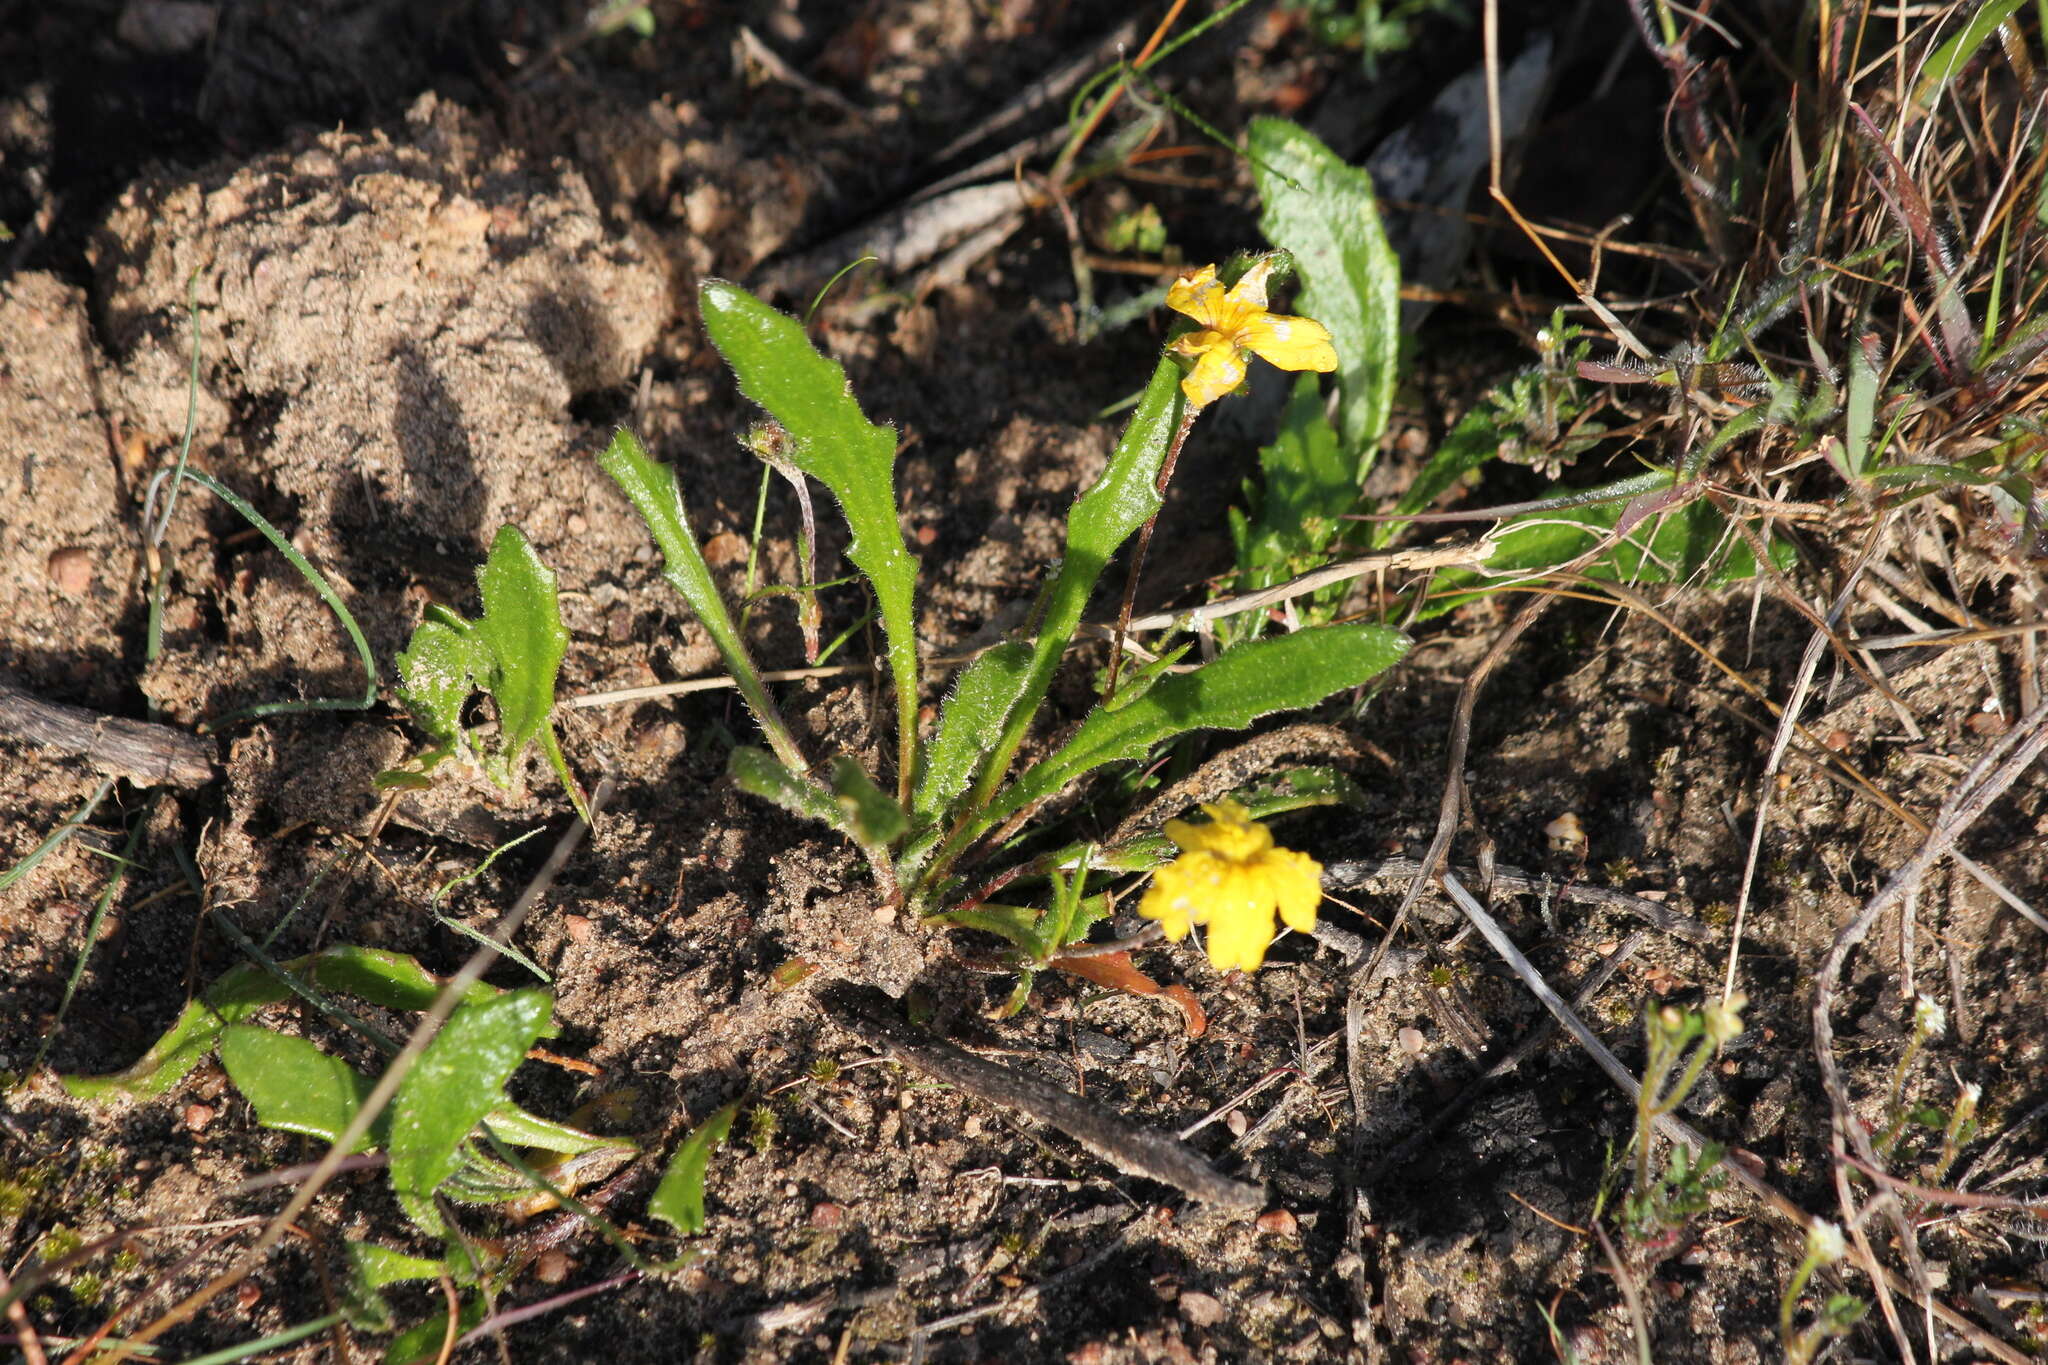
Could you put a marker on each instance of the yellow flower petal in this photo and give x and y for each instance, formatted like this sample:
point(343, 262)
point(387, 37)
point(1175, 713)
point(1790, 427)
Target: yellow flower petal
point(1298, 887)
point(1289, 342)
point(1198, 294)
point(1239, 941)
point(1249, 293)
point(1169, 900)
point(1219, 367)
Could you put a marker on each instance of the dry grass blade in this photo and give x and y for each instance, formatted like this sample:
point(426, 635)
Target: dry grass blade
point(1794, 1220)
point(1988, 779)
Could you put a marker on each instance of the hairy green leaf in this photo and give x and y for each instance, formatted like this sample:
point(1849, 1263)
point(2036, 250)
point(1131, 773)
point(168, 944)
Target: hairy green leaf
point(982, 696)
point(759, 773)
point(436, 676)
point(1284, 673)
point(872, 815)
point(1323, 212)
point(522, 629)
point(458, 1080)
point(372, 1268)
point(831, 440)
point(1691, 541)
point(679, 1199)
point(515, 1127)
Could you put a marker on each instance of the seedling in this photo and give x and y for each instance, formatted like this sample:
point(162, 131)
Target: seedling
point(1680, 1044)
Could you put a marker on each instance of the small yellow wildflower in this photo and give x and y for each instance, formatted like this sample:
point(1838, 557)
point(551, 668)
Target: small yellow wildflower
point(1235, 321)
point(1231, 878)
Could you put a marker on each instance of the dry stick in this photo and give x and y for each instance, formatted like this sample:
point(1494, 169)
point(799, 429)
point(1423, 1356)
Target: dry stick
point(1788, 725)
point(1513, 880)
point(1677, 1130)
point(1986, 781)
point(387, 1085)
point(146, 753)
point(1521, 1052)
point(1446, 828)
point(1123, 616)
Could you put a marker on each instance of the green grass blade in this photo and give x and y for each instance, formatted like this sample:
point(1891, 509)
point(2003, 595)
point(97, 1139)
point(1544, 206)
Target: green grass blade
point(1284, 673)
point(1324, 213)
point(1953, 55)
point(57, 836)
point(831, 440)
point(652, 490)
point(327, 594)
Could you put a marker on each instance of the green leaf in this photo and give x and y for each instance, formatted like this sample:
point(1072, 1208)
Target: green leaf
point(420, 1344)
point(873, 816)
point(394, 980)
point(758, 773)
point(1142, 679)
point(1329, 220)
point(1692, 541)
point(1297, 510)
point(522, 630)
point(1284, 673)
point(831, 440)
point(679, 1199)
point(372, 1268)
point(1475, 440)
point(515, 1127)
point(1952, 56)
point(238, 994)
point(1102, 519)
point(458, 1080)
point(436, 676)
point(652, 490)
point(982, 696)
point(293, 1085)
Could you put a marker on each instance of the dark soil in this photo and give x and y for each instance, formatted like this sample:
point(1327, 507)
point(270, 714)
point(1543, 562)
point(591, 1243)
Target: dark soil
point(438, 252)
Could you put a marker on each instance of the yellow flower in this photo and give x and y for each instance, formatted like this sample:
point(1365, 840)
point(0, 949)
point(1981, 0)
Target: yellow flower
point(1235, 321)
point(1231, 878)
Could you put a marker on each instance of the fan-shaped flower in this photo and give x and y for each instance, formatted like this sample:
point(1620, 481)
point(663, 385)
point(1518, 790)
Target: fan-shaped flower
point(1234, 321)
point(1231, 879)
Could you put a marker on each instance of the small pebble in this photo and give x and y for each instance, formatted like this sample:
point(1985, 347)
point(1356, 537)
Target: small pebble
point(1565, 833)
point(248, 1294)
point(578, 524)
point(1203, 1310)
point(1236, 1122)
point(1279, 1222)
point(197, 1116)
point(552, 1266)
point(827, 1215)
point(578, 928)
point(725, 548)
point(71, 570)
